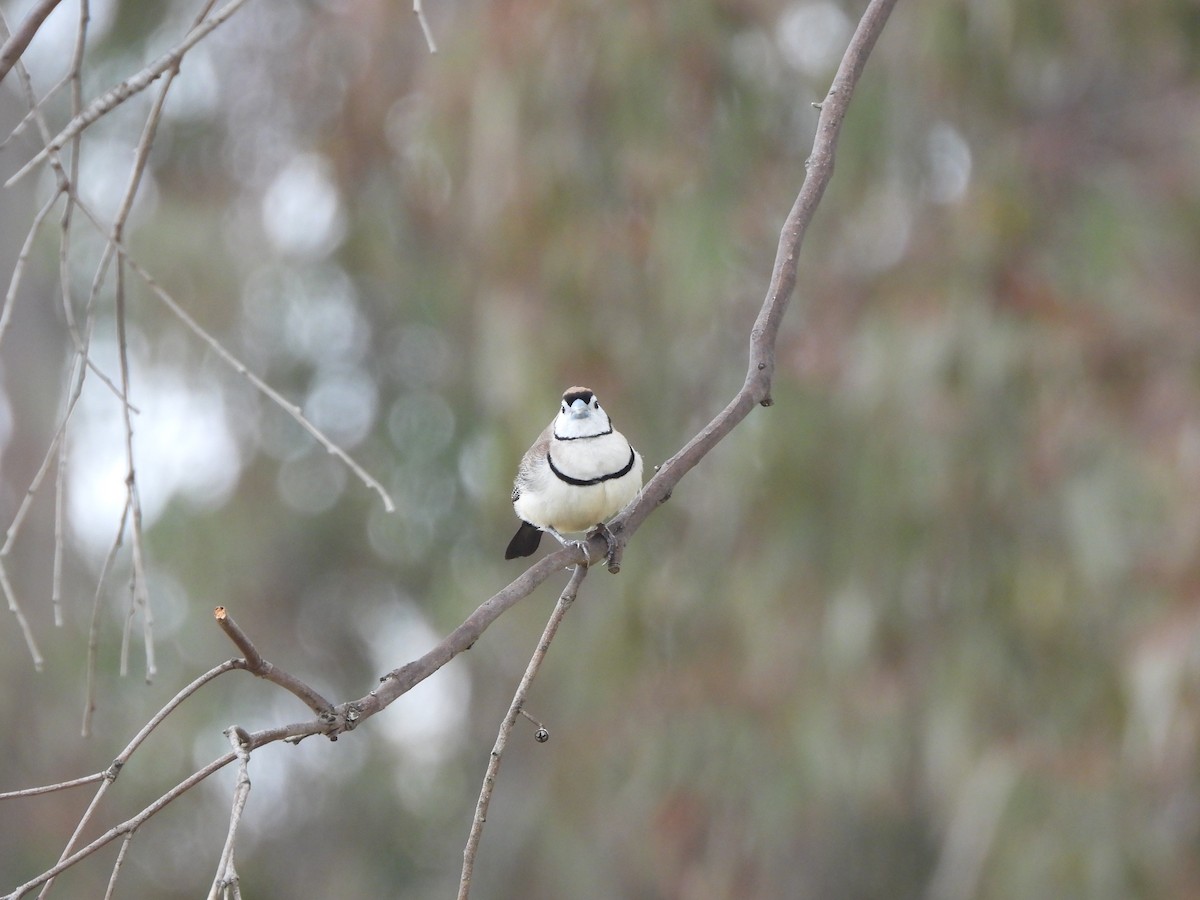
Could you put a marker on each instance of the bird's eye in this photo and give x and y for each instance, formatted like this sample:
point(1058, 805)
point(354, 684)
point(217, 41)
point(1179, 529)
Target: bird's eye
point(595, 403)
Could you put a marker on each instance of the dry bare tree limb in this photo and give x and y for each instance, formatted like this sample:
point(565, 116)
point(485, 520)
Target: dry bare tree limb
point(34, 109)
point(75, 78)
point(19, 39)
point(114, 770)
point(234, 363)
point(56, 568)
point(756, 390)
point(112, 879)
point(253, 741)
point(226, 877)
point(139, 594)
point(124, 828)
point(105, 784)
point(51, 788)
point(15, 608)
point(257, 665)
point(565, 599)
point(121, 92)
point(18, 520)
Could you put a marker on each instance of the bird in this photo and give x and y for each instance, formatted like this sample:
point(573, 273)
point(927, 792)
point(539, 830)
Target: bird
point(578, 474)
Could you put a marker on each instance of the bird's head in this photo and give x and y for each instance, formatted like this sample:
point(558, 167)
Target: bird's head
point(580, 415)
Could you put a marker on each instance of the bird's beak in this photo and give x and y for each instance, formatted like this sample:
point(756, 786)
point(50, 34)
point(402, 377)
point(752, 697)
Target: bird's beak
point(579, 409)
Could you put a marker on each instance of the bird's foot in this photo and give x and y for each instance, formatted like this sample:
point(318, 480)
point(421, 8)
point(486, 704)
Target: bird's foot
point(612, 556)
point(568, 542)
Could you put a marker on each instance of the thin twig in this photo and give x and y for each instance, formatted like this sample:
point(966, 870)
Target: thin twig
point(233, 362)
point(226, 876)
point(121, 92)
point(565, 599)
point(34, 109)
point(114, 770)
point(51, 788)
point(254, 741)
point(257, 665)
point(14, 527)
point(22, 259)
point(124, 828)
point(89, 698)
point(93, 804)
point(60, 493)
point(139, 595)
point(756, 391)
point(15, 608)
point(112, 879)
point(75, 77)
point(19, 39)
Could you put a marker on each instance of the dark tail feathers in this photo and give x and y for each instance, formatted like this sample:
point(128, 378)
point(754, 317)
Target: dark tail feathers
point(524, 542)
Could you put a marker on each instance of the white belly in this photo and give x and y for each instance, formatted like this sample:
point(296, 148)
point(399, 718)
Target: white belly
point(547, 500)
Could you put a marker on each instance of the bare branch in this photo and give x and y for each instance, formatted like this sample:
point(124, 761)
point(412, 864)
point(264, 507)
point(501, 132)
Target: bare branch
point(114, 770)
point(233, 362)
point(756, 391)
point(226, 874)
point(15, 608)
point(126, 827)
point(20, 38)
point(112, 879)
point(89, 701)
point(51, 788)
point(22, 259)
point(121, 92)
point(139, 598)
point(263, 669)
point(229, 359)
point(565, 599)
point(253, 741)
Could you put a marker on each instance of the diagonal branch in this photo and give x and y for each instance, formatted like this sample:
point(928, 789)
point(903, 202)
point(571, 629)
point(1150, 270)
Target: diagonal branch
point(23, 34)
point(756, 391)
point(256, 665)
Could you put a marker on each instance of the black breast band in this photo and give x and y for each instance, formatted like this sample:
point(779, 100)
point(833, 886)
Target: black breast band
point(584, 482)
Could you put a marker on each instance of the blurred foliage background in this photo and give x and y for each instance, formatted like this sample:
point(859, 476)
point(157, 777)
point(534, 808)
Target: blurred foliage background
point(929, 626)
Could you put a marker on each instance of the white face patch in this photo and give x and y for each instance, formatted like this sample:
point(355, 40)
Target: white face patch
point(581, 421)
